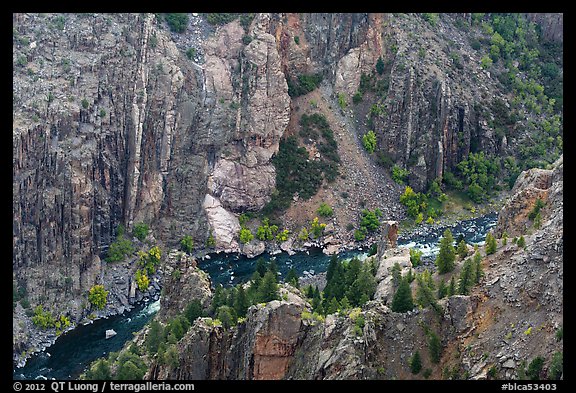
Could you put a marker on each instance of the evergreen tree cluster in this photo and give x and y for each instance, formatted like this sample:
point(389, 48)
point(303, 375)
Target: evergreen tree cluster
point(348, 284)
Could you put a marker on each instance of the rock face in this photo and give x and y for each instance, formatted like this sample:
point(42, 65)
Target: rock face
point(183, 282)
point(261, 348)
point(115, 125)
point(531, 185)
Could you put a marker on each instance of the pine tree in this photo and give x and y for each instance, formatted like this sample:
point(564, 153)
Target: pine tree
point(345, 303)
point(219, 298)
point(521, 242)
point(261, 266)
point(241, 304)
point(442, 289)
point(226, 315)
point(396, 274)
point(446, 256)
point(435, 347)
point(415, 363)
point(292, 278)
point(268, 290)
point(333, 306)
point(490, 244)
point(462, 249)
point(452, 287)
point(402, 301)
point(154, 337)
point(478, 273)
point(310, 292)
point(193, 310)
point(465, 281)
point(363, 288)
point(100, 371)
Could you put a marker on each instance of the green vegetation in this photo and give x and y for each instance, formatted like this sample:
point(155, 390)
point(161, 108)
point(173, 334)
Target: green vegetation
point(415, 256)
point(556, 366)
point(99, 371)
point(490, 244)
point(538, 205)
point(425, 291)
point(369, 141)
point(380, 65)
point(149, 261)
point(85, 103)
point(415, 363)
point(220, 18)
point(317, 228)
point(535, 368)
point(342, 101)
point(140, 231)
point(266, 231)
point(297, 40)
point(477, 175)
point(348, 284)
point(325, 210)
point(295, 171)
point(211, 241)
point(435, 347)
point(431, 18)
point(119, 249)
point(447, 254)
point(521, 242)
point(402, 301)
point(282, 236)
point(304, 84)
point(191, 53)
point(462, 249)
point(98, 296)
point(177, 22)
point(245, 235)
point(142, 280)
point(399, 175)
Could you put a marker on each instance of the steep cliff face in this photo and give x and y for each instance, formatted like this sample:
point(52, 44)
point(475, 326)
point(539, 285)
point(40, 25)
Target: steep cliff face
point(114, 125)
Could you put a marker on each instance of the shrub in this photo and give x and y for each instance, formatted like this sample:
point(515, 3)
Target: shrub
point(304, 84)
point(211, 241)
point(415, 363)
point(538, 205)
point(357, 98)
point(140, 231)
point(486, 62)
point(369, 141)
point(85, 103)
point(191, 53)
point(521, 242)
point(282, 236)
point(120, 249)
point(359, 235)
point(435, 347)
point(535, 368)
point(98, 296)
point(142, 280)
point(42, 318)
point(399, 175)
point(325, 210)
point(297, 40)
point(317, 228)
point(178, 22)
point(380, 65)
point(266, 231)
point(246, 235)
point(415, 256)
point(342, 101)
point(556, 366)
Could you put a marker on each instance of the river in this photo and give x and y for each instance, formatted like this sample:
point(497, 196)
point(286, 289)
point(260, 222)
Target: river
point(68, 357)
